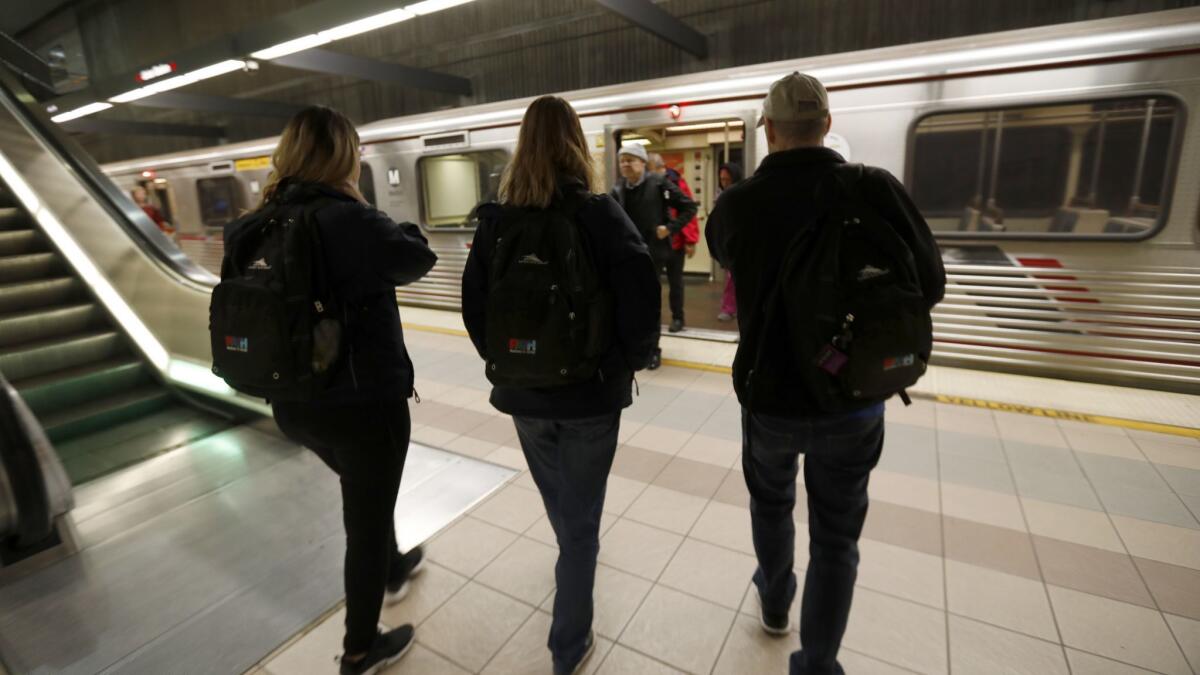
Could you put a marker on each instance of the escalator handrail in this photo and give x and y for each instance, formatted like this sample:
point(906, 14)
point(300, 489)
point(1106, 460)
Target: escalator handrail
point(19, 460)
point(142, 231)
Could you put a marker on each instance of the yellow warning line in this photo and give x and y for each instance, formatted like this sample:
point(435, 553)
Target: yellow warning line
point(1036, 411)
point(1068, 415)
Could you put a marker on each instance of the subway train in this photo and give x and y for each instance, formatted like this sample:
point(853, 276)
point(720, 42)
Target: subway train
point(1058, 167)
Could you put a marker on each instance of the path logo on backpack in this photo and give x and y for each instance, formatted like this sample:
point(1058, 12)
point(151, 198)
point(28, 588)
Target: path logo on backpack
point(273, 321)
point(548, 319)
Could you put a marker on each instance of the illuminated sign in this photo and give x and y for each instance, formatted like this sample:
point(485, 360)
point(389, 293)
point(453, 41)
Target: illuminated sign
point(252, 163)
point(155, 71)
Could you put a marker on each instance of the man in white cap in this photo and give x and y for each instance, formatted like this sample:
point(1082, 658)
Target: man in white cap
point(791, 400)
point(646, 196)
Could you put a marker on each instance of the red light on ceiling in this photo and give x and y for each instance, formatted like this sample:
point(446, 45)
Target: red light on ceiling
point(147, 174)
point(674, 111)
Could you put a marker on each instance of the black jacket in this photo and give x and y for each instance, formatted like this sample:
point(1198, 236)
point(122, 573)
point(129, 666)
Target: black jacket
point(625, 268)
point(647, 205)
point(367, 255)
point(749, 230)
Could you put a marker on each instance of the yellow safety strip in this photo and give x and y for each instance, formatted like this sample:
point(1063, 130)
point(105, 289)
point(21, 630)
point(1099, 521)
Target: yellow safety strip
point(1089, 418)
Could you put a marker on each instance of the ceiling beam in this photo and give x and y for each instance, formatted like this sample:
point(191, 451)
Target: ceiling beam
point(28, 65)
point(96, 125)
point(650, 17)
point(178, 100)
point(336, 63)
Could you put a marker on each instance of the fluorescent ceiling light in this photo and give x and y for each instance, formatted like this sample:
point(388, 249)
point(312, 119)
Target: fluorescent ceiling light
point(705, 126)
point(291, 47)
point(431, 6)
point(368, 24)
point(81, 111)
point(132, 95)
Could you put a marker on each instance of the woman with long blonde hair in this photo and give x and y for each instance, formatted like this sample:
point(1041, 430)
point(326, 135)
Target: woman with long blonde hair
point(359, 425)
point(568, 432)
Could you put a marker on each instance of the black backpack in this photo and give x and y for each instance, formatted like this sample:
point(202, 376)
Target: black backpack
point(273, 322)
point(549, 320)
point(850, 296)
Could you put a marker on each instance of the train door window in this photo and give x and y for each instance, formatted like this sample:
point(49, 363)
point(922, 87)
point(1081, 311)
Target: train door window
point(453, 185)
point(366, 182)
point(220, 200)
point(1076, 169)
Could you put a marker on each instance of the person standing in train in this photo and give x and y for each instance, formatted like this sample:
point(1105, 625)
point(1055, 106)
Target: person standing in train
point(748, 232)
point(142, 199)
point(684, 240)
point(568, 432)
point(728, 175)
point(647, 197)
point(359, 426)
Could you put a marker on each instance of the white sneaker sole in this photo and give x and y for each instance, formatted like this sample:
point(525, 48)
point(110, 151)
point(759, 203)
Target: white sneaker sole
point(774, 631)
point(390, 660)
point(390, 598)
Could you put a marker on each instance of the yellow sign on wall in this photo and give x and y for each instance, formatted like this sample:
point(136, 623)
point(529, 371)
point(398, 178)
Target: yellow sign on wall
point(252, 163)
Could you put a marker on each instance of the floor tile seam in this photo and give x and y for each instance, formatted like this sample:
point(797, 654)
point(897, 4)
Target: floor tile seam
point(218, 602)
point(508, 641)
point(455, 594)
point(1037, 558)
point(160, 514)
point(937, 456)
point(883, 660)
point(1158, 472)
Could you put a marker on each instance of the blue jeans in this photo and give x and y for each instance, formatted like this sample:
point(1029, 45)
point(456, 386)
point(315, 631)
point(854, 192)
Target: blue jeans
point(840, 453)
point(570, 461)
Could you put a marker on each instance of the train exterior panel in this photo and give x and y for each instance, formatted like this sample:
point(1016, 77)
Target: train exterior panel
point(1059, 168)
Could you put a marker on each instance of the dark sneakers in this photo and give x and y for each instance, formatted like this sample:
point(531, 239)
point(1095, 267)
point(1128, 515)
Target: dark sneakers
point(403, 570)
point(582, 663)
point(388, 648)
point(655, 361)
point(773, 623)
point(676, 326)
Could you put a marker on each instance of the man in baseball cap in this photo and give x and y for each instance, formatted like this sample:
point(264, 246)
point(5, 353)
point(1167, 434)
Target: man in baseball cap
point(782, 389)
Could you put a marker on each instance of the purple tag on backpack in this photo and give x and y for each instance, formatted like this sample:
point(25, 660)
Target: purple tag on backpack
point(831, 360)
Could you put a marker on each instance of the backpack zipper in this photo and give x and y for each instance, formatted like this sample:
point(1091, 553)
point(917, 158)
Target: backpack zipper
point(349, 347)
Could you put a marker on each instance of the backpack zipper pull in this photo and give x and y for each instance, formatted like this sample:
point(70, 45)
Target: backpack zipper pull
point(416, 396)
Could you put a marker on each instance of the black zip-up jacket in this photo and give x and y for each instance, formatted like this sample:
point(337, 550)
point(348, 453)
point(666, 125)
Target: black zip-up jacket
point(647, 205)
point(625, 268)
point(748, 233)
point(366, 255)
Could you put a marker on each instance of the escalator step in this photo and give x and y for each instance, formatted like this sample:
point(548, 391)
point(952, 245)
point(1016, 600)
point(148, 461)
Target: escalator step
point(29, 267)
point(12, 218)
point(17, 242)
point(44, 293)
point(73, 386)
point(106, 412)
point(41, 358)
point(42, 324)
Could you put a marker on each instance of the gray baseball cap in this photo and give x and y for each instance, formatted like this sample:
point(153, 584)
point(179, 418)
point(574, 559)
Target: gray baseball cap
point(794, 98)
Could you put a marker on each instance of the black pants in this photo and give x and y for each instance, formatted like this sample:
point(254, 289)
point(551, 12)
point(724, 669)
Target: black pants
point(839, 455)
point(365, 444)
point(670, 262)
point(570, 461)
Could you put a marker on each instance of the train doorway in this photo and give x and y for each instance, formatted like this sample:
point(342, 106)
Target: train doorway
point(694, 152)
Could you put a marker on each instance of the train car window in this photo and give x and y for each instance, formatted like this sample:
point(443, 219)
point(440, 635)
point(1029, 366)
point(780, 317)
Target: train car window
point(1077, 169)
point(220, 200)
point(366, 182)
point(453, 185)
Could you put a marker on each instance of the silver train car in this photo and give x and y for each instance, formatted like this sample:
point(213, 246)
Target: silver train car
point(1059, 168)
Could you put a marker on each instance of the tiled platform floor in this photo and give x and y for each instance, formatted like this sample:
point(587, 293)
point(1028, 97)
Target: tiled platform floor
point(996, 543)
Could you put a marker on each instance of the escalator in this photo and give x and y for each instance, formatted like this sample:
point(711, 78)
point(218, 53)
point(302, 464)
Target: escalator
point(98, 401)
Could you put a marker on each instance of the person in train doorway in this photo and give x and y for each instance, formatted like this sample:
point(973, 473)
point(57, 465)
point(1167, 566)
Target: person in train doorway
point(753, 226)
point(647, 197)
point(142, 199)
point(525, 290)
point(359, 425)
point(728, 175)
point(685, 239)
